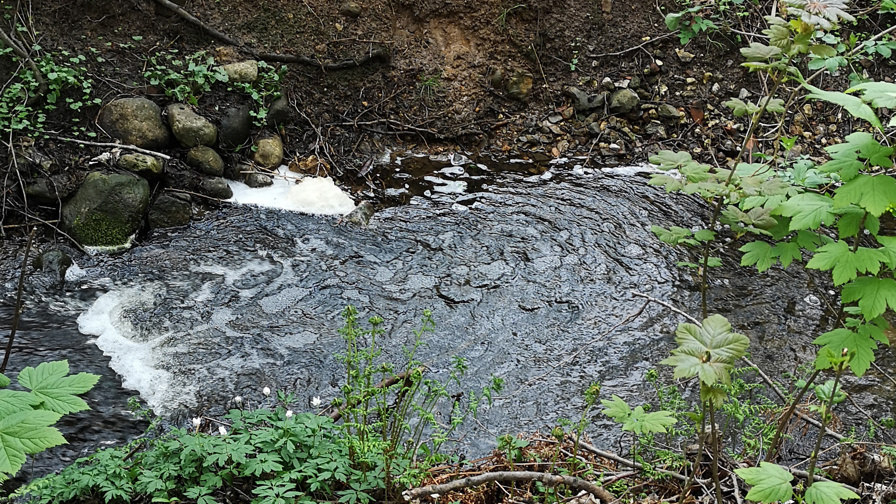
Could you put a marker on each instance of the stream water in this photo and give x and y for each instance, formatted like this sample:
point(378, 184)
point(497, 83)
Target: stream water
point(529, 277)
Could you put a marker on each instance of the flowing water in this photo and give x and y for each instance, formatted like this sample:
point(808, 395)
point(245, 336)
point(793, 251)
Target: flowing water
point(529, 278)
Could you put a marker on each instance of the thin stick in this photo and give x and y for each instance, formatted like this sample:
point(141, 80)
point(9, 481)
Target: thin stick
point(512, 476)
point(18, 314)
point(626, 462)
point(630, 49)
point(41, 83)
point(667, 305)
point(166, 157)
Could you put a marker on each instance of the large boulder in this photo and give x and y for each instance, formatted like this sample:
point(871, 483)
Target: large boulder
point(235, 127)
point(107, 209)
point(170, 210)
point(205, 160)
point(190, 128)
point(269, 152)
point(136, 121)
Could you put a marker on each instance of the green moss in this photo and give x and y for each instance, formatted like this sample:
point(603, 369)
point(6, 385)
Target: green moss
point(101, 231)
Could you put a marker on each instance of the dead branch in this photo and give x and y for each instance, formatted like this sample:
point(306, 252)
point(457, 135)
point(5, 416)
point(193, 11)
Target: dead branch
point(166, 157)
point(18, 314)
point(510, 476)
point(373, 56)
point(38, 76)
point(629, 463)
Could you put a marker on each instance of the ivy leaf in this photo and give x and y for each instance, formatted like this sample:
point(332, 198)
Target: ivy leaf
point(770, 482)
point(863, 343)
point(641, 422)
point(853, 104)
point(48, 382)
point(873, 294)
point(808, 211)
point(26, 432)
point(873, 193)
point(757, 253)
point(879, 94)
point(707, 351)
point(827, 492)
point(757, 51)
point(617, 408)
point(843, 263)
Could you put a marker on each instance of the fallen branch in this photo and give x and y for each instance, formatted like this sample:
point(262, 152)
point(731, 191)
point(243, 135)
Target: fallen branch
point(38, 76)
point(166, 157)
point(388, 382)
point(374, 56)
point(630, 463)
point(510, 476)
point(18, 314)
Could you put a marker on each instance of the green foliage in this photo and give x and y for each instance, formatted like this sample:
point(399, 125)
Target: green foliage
point(27, 418)
point(637, 420)
point(263, 91)
point(183, 79)
point(771, 482)
point(689, 23)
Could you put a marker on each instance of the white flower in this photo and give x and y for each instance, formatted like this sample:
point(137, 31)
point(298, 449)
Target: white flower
point(238, 399)
point(266, 391)
point(288, 413)
point(315, 401)
point(197, 422)
point(222, 430)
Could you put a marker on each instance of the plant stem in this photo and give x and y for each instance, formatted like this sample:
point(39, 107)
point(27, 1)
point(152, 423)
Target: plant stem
point(715, 452)
point(776, 440)
point(18, 313)
point(702, 436)
point(826, 413)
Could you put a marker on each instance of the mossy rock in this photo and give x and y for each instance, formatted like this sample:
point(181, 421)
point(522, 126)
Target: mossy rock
point(107, 209)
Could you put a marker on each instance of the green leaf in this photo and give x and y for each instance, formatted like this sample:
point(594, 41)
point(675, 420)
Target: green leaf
point(787, 252)
point(707, 351)
point(862, 145)
point(4, 381)
point(645, 423)
point(863, 343)
point(823, 50)
point(844, 263)
point(26, 432)
point(879, 94)
point(617, 409)
point(740, 108)
point(808, 211)
point(850, 221)
point(671, 160)
point(852, 104)
point(873, 294)
point(48, 382)
point(14, 401)
point(846, 168)
point(757, 51)
point(827, 492)
point(674, 235)
point(775, 105)
point(757, 253)
point(770, 482)
point(873, 193)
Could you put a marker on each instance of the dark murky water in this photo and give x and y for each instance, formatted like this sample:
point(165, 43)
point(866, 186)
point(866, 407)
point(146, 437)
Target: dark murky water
point(521, 273)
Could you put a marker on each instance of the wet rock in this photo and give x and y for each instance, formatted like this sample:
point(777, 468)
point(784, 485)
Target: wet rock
point(107, 209)
point(237, 171)
point(235, 127)
point(55, 262)
point(148, 167)
point(594, 129)
point(241, 71)
point(216, 187)
point(135, 121)
point(190, 128)
point(519, 86)
point(350, 9)
point(582, 101)
point(205, 160)
point(170, 210)
point(269, 152)
point(361, 214)
point(624, 101)
point(656, 129)
point(48, 190)
point(258, 180)
point(667, 112)
point(279, 113)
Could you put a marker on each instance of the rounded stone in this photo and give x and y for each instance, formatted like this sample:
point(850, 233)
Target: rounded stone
point(269, 152)
point(148, 167)
point(170, 210)
point(236, 125)
point(241, 71)
point(258, 180)
point(135, 121)
point(107, 209)
point(190, 128)
point(205, 160)
point(350, 8)
point(624, 101)
point(519, 86)
point(216, 187)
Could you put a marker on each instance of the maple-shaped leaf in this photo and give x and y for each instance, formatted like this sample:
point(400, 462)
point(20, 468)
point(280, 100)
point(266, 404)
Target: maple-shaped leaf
point(616, 408)
point(708, 350)
point(787, 252)
point(757, 253)
point(873, 294)
point(670, 182)
point(741, 108)
point(873, 193)
point(808, 211)
point(851, 220)
point(810, 240)
point(671, 160)
point(888, 251)
point(775, 105)
point(862, 145)
point(770, 482)
point(827, 492)
point(674, 235)
point(853, 104)
point(13, 401)
point(57, 391)
point(843, 263)
point(861, 344)
point(846, 168)
point(26, 432)
point(758, 52)
point(641, 422)
point(879, 94)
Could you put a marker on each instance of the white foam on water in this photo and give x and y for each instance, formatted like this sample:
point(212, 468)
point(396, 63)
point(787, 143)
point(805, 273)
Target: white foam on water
point(130, 357)
point(310, 195)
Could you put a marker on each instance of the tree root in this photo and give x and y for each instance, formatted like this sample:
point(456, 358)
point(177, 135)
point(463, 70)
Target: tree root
point(518, 476)
point(376, 55)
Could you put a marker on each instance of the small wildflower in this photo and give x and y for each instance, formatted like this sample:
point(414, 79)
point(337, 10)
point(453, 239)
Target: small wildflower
point(288, 413)
point(266, 391)
point(315, 401)
point(197, 422)
point(238, 400)
point(222, 430)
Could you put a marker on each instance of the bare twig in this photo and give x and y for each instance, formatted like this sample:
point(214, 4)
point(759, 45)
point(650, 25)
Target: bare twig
point(18, 314)
point(134, 148)
point(630, 49)
point(38, 76)
point(628, 463)
point(667, 305)
point(512, 476)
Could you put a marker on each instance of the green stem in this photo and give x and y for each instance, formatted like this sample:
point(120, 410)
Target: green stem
point(826, 413)
point(715, 452)
point(776, 440)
